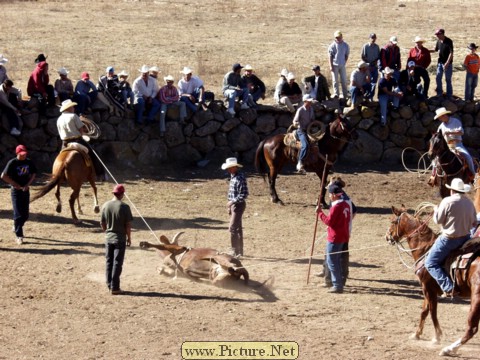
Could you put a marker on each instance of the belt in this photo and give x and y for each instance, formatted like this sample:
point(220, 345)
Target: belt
point(72, 138)
point(458, 237)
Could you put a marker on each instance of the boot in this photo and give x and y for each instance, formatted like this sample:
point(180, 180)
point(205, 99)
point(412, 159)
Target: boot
point(300, 168)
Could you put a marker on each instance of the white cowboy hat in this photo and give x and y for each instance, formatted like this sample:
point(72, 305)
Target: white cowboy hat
point(387, 71)
point(362, 64)
point(67, 104)
point(62, 71)
point(2, 59)
point(290, 76)
point(154, 69)
point(168, 78)
point(307, 97)
point(144, 69)
point(458, 185)
point(230, 162)
point(248, 67)
point(186, 70)
point(418, 39)
point(123, 73)
point(441, 111)
point(284, 72)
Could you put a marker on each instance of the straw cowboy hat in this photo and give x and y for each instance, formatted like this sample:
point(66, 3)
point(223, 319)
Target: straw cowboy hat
point(458, 185)
point(186, 70)
point(2, 59)
point(230, 162)
point(154, 69)
point(168, 78)
point(123, 73)
point(248, 67)
point(144, 69)
point(290, 76)
point(387, 71)
point(418, 39)
point(63, 71)
point(307, 97)
point(362, 64)
point(67, 104)
point(284, 72)
point(440, 112)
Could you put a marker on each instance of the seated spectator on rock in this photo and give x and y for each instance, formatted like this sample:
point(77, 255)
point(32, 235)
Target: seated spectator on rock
point(63, 85)
point(317, 85)
point(233, 87)
point(388, 92)
point(191, 90)
point(168, 96)
point(255, 86)
point(145, 91)
point(11, 112)
point(360, 84)
point(109, 86)
point(126, 90)
point(85, 93)
point(40, 88)
point(410, 82)
point(278, 88)
point(154, 71)
point(291, 94)
point(15, 94)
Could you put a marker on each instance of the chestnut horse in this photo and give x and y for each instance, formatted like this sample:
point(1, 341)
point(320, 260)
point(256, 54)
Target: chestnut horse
point(71, 166)
point(420, 239)
point(448, 165)
point(273, 152)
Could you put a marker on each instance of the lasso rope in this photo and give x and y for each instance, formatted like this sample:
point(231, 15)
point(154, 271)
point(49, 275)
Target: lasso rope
point(420, 171)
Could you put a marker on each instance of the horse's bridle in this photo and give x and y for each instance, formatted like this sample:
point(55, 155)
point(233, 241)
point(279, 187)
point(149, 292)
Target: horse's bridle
point(343, 129)
point(391, 238)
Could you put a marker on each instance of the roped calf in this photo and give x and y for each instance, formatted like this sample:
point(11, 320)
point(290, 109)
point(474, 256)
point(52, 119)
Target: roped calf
point(197, 263)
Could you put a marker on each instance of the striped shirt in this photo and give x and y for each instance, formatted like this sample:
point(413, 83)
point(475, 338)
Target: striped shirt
point(168, 94)
point(238, 190)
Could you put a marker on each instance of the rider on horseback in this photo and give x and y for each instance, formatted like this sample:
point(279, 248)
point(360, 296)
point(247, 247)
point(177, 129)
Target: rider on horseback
point(452, 130)
point(303, 117)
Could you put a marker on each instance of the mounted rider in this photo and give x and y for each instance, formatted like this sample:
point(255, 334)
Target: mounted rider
point(303, 117)
point(452, 130)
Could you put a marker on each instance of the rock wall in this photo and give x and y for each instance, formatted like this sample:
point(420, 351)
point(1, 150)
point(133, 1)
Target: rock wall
point(213, 135)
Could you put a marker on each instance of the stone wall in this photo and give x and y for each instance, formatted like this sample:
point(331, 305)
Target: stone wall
point(213, 135)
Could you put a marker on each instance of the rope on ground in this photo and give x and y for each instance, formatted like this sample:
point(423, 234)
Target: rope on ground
point(419, 170)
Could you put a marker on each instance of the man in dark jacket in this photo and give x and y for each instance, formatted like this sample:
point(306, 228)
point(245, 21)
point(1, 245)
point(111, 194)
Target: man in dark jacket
point(317, 85)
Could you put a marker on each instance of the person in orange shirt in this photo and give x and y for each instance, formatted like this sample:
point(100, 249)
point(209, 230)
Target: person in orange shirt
point(472, 65)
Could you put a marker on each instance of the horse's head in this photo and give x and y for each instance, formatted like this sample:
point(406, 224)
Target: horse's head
point(400, 225)
point(342, 130)
point(437, 145)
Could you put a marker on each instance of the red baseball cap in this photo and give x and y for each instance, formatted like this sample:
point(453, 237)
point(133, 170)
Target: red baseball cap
point(21, 149)
point(85, 75)
point(118, 189)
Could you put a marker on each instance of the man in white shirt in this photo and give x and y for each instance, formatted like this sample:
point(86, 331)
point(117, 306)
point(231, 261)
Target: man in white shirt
point(191, 89)
point(145, 89)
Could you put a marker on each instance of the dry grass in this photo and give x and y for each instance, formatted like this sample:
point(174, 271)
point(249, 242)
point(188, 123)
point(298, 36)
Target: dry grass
point(211, 35)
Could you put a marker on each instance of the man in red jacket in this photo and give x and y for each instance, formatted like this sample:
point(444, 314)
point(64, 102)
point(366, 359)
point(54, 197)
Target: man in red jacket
point(338, 222)
point(39, 86)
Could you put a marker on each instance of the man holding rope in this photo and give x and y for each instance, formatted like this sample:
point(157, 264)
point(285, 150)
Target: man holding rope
point(338, 233)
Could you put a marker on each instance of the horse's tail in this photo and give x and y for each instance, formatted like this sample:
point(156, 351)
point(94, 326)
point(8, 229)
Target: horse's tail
point(260, 162)
point(54, 181)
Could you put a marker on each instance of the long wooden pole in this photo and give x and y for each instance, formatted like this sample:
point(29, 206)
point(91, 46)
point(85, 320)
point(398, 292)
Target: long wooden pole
point(316, 218)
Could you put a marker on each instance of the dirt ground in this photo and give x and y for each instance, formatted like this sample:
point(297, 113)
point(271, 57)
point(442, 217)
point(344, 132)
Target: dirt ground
point(54, 303)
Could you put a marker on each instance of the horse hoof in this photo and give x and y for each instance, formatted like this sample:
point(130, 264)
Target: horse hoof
point(96, 209)
point(58, 209)
point(414, 337)
point(446, 352)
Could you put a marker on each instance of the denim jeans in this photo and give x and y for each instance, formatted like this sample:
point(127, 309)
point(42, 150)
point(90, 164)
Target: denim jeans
point(384, 100)
point(345, 261)
point(231, 95)
point(468, 158)
point(302, 136)
point(339, 71)
point(140, 108)
point(163, 112)
point(189, 103)
point(236, 227)
point(448, 80)
point(21, 206)
point(114, 255)
point(373, 80)
point(471, 82)
point(334, 262)
point(437, 255)
point(356, 94)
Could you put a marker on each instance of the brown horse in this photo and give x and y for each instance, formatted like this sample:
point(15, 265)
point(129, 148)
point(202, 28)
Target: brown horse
point(448, 165)
point(420, 238)
point(273, 152)
point(71, 166)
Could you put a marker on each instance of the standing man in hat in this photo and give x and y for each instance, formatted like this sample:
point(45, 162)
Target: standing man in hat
point(338, 233)
point(20, 173)
point(237, 196)
point(338, 53)
point(233, 87)
point(452, 130)
point(116, 221)
point(191, 90)
point(168, 96)
point(444, 47)
point(420, 54)
point(371, 54)
point(303, 117)
point(85, 93)
point(317, 85)
point(390, 57)
point(472, 65)
point(360, 84)
point(256, 87)
point(145, 89)
point(456, 215)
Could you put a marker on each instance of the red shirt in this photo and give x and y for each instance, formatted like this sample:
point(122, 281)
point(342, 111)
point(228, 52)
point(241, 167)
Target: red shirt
point(338, 221)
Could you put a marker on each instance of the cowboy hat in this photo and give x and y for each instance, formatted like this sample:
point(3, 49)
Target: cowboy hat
point(470, 47)
point(67, 104)
point(2, 59)
point(458, 185)
point(248, 67)
point(418, 39)
point(362, 64)
point(440, 112)
point(63, 71)
point(387, 71)
point(307, 97)
point(290, 76)
point(154, 69)
point(230, 162)
point(186, 70)
point(284, 72)
point(123, 73)
point(168, 78)
point(144, 69)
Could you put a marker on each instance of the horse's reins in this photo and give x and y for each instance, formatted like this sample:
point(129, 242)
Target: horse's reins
point(341, 139)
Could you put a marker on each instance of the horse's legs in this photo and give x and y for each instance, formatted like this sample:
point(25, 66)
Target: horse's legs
point(274, 168)
point(91, 180)
point(59, 203)
point(79, 207)
point(430, 302)
point(73, 197)
point(472, 321)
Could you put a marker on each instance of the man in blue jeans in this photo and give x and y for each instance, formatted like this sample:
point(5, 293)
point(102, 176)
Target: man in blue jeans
point(444, 47)
point(303, 117)
point(456, 215)
point(116, 221)
point(233, 87)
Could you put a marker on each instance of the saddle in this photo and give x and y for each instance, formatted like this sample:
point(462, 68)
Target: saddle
point(82, 149)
